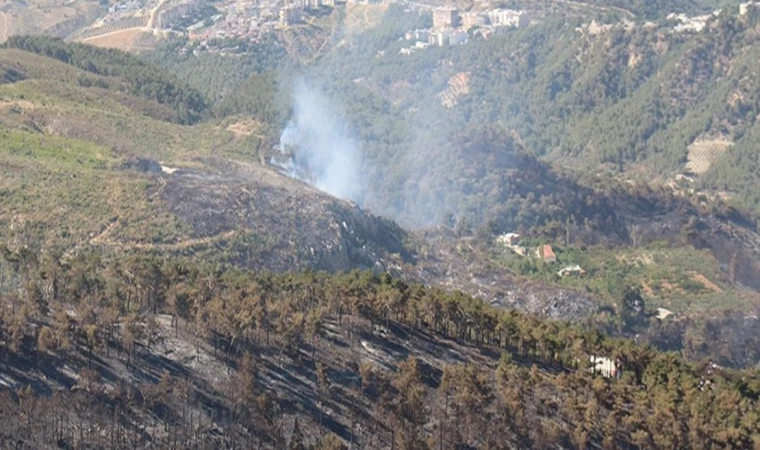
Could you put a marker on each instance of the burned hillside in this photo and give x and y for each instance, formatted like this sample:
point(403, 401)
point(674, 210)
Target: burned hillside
point(186, 356)
point(280, 224)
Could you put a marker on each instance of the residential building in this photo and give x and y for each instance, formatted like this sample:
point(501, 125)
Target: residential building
point(445, 18)
point(546, 253)
point(440, 38)
point(574, 270)
point(312, 3)
point(422, 35)
point(604, 366)
point(457, 37)
point(174, 14)
point(290, 15)
point(509, 239)
point(508, 18)
point(472, 20)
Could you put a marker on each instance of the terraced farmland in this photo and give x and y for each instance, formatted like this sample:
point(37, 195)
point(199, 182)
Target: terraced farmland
point(703, 153)
point(123, 24)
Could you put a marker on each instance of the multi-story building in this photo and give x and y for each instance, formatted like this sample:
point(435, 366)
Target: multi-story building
point(472, 19)
point(457, 37)
point(445, 18)
point(290, 15)
point(508, 18)
point(312, 3)
point(170, 16)
point(440, 38)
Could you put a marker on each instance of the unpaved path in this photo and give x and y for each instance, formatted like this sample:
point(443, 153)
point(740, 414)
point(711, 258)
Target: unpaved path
point(104, 238)
point(4, 29)
point(117, 39)
point(699, 278)
point(152, 20)
point(181, 245)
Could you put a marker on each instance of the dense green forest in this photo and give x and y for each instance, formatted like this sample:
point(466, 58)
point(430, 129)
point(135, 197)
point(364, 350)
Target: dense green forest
point(539, 390)
point(217, 76)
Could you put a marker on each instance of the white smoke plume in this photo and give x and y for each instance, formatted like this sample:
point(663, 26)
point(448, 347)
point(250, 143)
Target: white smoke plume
point(319, 148)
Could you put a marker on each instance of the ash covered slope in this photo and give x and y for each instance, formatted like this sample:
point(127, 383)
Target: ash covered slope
point(280, 223)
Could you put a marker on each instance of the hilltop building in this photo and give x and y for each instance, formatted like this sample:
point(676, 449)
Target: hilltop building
point(445, 18)
point(172, 15)
point(472, 20)
point(508, 18)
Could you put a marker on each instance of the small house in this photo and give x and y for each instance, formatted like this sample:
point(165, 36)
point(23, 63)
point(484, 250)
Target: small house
point(546, 253)
point(604, 366)
point(509, 239)
point(575, 270)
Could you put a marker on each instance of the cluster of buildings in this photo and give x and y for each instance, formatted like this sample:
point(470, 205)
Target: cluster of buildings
point(450, 27)
point(696, 24)
point(678, 22)
point(251, 18)
point(175, 13)
point(121, 10)
point(543, 253)
point(446, 18)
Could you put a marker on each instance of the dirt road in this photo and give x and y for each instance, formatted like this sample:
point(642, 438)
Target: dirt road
point(6, 23)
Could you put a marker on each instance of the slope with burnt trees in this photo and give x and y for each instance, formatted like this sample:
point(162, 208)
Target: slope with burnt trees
point(145, 352)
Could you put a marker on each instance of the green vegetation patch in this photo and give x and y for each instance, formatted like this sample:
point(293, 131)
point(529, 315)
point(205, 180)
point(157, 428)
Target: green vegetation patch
point(684, 280)
point(51, 151)
point(141, 78)
point(60, 192)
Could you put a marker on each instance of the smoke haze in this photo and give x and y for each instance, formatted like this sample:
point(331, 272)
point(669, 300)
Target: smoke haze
point(319, 147)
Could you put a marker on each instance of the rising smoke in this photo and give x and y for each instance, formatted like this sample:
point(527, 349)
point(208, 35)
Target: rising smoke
point(317, 146)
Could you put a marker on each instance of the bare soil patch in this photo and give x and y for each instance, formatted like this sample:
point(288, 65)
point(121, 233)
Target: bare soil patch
point(243, 128)
point(4, 27)
point(361, 18)
point(122, 39)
